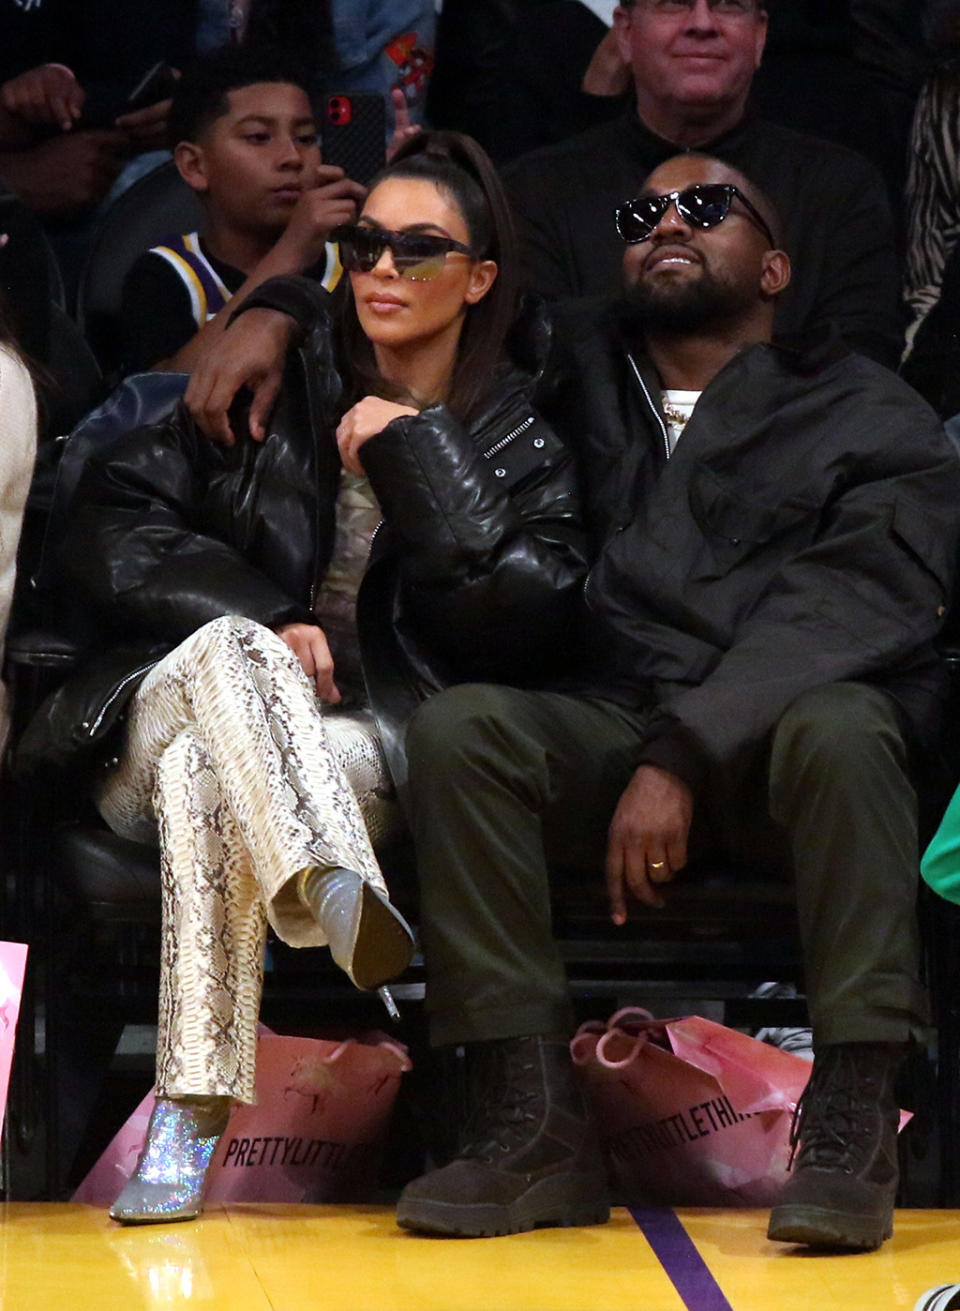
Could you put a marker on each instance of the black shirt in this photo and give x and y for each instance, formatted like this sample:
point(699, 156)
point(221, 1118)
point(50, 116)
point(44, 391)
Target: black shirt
point(156, 317)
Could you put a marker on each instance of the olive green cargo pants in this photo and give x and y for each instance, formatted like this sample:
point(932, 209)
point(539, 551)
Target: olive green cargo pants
point(505, 784)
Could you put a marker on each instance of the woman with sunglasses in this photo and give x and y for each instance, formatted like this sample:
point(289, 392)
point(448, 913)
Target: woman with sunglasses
point(271, 615)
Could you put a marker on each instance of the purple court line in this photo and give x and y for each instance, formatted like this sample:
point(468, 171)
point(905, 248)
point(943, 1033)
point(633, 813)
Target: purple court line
point(676, 1252)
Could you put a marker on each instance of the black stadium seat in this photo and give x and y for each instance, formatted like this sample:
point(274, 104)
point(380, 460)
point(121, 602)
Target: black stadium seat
point(154, 207)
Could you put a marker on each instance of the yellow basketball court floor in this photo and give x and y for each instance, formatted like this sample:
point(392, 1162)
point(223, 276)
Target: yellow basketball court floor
point(339, 1258)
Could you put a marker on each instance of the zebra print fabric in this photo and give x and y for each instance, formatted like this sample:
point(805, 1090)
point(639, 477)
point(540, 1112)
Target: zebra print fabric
point(933, 192)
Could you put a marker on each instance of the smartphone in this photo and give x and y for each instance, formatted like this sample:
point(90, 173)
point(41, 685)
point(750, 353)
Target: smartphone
point(156, 84)
point(106, 102)
point(354, 133)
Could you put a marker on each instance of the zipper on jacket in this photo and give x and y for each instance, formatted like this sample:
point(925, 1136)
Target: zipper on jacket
point(93, 729)
point(369, 564)
point(497, 447)
point(315, 419)
point(656, 413)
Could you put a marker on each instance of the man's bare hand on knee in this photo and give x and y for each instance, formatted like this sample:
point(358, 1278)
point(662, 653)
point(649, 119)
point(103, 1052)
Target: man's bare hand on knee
point(647, 840)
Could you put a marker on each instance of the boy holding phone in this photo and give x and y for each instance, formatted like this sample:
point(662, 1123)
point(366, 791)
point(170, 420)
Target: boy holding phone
point(244, 138)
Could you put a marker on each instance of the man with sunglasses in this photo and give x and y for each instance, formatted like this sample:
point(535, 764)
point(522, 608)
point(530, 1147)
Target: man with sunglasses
point(775, 532)
point(693, 62)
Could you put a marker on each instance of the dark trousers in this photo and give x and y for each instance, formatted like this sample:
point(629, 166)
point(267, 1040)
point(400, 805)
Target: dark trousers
point(505, 784)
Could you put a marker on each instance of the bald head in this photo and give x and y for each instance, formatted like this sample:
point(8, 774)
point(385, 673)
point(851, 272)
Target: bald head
point(699, 278)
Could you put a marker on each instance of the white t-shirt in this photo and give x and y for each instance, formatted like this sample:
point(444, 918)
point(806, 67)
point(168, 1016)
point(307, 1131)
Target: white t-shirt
point(603, 9)
point(677, 408)
point(18, 444)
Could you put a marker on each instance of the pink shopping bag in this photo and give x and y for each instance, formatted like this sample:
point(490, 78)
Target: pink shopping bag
point(691, 1113)
point(315, 1134)
point(13, 964)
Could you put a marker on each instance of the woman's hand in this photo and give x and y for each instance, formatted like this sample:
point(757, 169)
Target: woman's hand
point(249, 354)
point(607, 73)
point(363, 421)
point(309, 645)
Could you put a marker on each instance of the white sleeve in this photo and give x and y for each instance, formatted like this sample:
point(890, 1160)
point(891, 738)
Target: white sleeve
point(18, 445)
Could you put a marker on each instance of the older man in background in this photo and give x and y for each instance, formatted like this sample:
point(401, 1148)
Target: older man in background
point(693, 63)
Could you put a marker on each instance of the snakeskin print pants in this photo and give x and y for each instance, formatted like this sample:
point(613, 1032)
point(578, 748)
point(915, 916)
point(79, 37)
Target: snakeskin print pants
point(249, 780)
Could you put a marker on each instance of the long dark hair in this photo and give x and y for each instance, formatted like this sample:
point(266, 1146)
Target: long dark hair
point(7, 337)
point(459, 166)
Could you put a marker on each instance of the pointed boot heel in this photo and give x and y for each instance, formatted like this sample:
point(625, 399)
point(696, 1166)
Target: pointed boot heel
point(369, 938)
point(169, 1178)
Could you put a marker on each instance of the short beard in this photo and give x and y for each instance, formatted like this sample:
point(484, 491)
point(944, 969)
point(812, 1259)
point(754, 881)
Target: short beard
point(685, 310)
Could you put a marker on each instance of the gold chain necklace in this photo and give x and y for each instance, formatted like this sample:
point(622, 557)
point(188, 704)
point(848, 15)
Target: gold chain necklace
point(675, 416)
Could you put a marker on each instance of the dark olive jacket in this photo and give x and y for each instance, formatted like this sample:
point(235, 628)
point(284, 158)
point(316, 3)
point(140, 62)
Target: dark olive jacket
point(476, 571)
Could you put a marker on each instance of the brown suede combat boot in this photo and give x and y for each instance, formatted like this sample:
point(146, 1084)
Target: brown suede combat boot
point(530, 1155)
point(844, 1183)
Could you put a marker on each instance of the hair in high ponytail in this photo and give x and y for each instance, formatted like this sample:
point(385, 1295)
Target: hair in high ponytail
point(457, 165)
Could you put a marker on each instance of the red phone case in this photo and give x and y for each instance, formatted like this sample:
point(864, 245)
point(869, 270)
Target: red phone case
point(354, 134)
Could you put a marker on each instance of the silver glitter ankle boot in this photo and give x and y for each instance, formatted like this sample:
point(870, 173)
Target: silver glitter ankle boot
point(369, 939)
point(168, 1181)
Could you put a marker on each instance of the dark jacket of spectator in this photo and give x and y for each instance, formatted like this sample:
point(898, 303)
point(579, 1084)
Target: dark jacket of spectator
point(509, 72)
point(803, 532)
point(849, 72)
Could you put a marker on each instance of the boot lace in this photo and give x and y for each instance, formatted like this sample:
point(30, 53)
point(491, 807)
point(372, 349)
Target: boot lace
point(834, 1122)
point(508, 1102)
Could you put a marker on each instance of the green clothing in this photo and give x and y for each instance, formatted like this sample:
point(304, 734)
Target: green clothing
point(940, 866)
point(507, 785)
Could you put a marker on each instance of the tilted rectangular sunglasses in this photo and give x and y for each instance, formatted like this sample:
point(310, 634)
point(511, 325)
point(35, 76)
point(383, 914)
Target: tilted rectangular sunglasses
point(703, 205)
point(416, 255)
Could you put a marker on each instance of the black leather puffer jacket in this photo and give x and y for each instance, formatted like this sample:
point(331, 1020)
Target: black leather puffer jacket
point(475, 573)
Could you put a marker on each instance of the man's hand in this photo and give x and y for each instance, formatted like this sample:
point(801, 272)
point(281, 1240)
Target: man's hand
point(361, 422)
point(647, 840)
point(66, 173)
point(607, 74)
point(309, 645)
point(249, 354)
point(49, 96)
point(146, 129)
point(335, 199)
point(403, 129)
